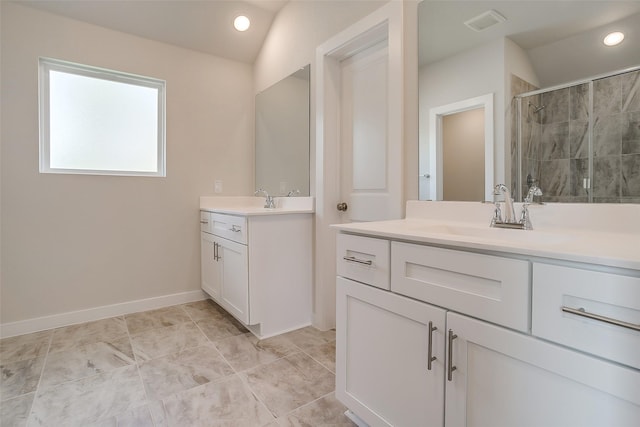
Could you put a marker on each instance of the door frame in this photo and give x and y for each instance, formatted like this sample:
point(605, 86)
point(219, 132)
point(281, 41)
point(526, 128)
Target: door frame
point(384, 23)
point(436, 115)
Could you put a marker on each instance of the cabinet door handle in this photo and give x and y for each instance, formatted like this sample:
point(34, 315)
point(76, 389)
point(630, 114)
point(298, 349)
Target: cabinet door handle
point(451, 368)
point(359, 261)
point(581, 312)
point(430, 357)
point(215, 252)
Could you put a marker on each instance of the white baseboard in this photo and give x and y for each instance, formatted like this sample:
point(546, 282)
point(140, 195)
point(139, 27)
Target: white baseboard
point(70, 318)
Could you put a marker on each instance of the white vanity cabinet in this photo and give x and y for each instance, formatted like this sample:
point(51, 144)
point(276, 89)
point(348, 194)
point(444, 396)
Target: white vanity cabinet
point(390, 356)
point(224, 263)
point(489, 370)
point(258, 268)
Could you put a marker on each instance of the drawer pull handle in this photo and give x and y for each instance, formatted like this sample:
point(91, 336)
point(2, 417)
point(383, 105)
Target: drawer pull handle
point(359, 261)
point(430, 357)
point(581, 312)
point(451, 368)
point(204, 222)
point(235, 229)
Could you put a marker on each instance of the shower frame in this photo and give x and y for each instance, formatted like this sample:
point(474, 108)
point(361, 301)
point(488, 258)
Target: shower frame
point(517, 192)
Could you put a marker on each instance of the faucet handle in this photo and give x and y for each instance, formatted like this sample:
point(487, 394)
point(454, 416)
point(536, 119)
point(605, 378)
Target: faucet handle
point(497, 215)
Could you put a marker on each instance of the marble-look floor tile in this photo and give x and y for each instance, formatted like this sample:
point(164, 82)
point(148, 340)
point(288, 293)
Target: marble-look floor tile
point(218, 328)
point(190, 368)
point(310, 337)
point(14, 412)
point(20, 377)
point(136, 417)
point(69, 337)
point(325, 354)
point(168, 340)
point(87, 360)
point(246, 351)
point(290, 382)
point(154, 319)
point(205, 309)
point(23, 347)
point(326, 411)
point(227, 402)
point(85, 401)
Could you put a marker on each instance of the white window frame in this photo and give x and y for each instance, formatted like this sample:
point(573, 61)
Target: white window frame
point(49, 64)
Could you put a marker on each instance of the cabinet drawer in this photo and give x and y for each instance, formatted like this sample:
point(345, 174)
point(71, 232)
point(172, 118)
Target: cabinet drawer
point(205, 219)
point(364, 259)
point(483, 286)
point(611, 297)
point(230, 227)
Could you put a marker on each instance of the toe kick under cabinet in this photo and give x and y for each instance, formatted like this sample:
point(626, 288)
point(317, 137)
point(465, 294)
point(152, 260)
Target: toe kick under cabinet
point(444, 337)
point(258, 268)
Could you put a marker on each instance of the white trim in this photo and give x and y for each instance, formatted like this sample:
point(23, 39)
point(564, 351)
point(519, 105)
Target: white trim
point(384, 23)
point(435, 142)
point(73, 317)
point(46, 65)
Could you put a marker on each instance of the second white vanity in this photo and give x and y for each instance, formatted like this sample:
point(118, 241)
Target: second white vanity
point(442, 321)
point(257, 263)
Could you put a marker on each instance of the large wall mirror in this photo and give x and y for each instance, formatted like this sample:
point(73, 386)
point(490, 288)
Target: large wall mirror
point(282, 136)
point(584, 148)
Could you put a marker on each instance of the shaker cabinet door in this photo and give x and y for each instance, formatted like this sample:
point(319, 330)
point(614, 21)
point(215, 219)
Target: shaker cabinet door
point(234, 292)
point(504, 378)
point(209, 266)
point(383, 372)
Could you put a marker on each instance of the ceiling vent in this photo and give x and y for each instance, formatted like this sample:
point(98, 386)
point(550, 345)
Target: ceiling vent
point(485, 20)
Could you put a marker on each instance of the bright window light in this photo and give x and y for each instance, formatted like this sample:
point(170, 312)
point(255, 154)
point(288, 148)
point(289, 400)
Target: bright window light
point(96, 121)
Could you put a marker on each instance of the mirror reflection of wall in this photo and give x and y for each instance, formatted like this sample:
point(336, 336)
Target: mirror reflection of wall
point(538, 45)
point(282, 136)
point(463, 156)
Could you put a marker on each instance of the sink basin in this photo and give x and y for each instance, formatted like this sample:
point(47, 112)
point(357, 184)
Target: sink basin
point(494, 234)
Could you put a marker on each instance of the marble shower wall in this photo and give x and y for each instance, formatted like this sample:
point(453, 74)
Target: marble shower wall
point(555, 141)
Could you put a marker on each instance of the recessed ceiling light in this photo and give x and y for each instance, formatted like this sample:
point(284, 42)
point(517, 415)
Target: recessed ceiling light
point(614, 38)
point(241, 23)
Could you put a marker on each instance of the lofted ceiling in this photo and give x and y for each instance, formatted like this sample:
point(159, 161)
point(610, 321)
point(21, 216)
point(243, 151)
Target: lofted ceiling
point(202, 25)
point(206, 25)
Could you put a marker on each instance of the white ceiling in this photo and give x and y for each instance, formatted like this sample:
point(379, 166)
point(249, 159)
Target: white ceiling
point(206, 25)
point(202, 25)
point(563, 39)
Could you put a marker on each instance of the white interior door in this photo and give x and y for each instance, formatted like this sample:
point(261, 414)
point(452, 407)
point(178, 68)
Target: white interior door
point(364, 136)
point(356, 49)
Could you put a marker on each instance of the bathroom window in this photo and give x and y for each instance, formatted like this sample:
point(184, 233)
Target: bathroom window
point(100, 122)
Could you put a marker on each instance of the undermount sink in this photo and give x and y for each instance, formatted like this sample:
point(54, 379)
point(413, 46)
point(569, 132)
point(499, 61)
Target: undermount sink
point(494, 234)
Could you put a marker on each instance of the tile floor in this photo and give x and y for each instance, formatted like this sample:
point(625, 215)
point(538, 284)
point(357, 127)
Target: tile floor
point(186, 365)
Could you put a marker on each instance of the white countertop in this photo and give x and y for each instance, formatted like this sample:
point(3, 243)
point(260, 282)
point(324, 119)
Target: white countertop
point(250, 206)
point(607, 236)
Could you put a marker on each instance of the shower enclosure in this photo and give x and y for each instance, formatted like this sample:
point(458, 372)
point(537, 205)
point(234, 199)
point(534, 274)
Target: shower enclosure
point(581, 142)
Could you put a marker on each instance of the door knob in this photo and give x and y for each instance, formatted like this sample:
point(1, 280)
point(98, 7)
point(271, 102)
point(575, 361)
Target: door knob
point(342, 206)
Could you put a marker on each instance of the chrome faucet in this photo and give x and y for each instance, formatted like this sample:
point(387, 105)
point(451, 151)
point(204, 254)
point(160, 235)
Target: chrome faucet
point(509, 212)
point(269, 201)
point(524, 223)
